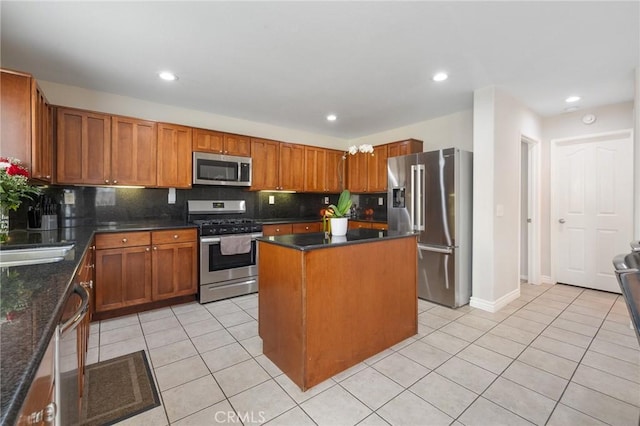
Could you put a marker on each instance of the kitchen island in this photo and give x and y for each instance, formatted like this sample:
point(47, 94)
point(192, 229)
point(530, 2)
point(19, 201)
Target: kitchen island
point(327, 304)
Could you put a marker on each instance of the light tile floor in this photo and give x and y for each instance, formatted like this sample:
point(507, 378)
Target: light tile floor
point(558, 355)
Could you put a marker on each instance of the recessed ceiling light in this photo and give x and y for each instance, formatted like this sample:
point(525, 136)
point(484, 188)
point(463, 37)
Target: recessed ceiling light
point(441, 76)
point(168, 76)
point(332, 117)
point(572, 108)
point(572, 99)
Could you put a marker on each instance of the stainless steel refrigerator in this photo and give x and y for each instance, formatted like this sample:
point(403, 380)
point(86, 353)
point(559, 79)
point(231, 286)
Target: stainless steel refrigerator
point(430, 193)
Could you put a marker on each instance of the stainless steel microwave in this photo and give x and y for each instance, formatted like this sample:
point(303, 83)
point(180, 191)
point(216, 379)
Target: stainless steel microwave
point(216, 169)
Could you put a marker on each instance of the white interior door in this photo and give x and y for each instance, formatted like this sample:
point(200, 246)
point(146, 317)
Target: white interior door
point(593, 189)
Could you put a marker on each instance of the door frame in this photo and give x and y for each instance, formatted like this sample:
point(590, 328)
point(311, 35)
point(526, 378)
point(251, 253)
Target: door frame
point(553, 165)
point(533, 204)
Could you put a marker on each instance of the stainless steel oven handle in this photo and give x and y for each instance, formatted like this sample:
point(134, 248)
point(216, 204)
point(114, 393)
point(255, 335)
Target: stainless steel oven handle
point(209, 240)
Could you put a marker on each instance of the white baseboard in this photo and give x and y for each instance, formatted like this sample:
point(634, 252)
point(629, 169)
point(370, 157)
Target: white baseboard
point(546, 279)
point(524, 277)
point(496, 305)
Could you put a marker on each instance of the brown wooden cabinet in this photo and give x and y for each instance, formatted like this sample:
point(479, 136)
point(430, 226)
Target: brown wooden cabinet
point(175, 162)
point(265, 155)
point(174, 263)
point(409, 146)
point(291, 168)
point(357, 172)
point(377, 169)
point(306, 227)
point(134, 145)
point(221, 143)
point(26, 124)
point(279, 229)
point(360, 224)
point(135, 268)
point(83, 146)
point(324, 169)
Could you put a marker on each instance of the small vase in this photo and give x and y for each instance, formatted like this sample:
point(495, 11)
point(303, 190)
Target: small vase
point(4, 225)
point(339, 226)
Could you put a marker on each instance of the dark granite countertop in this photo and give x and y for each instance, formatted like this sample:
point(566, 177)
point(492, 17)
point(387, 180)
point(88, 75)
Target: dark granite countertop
point(31, 302)
point(276, 221)
point(317, 240)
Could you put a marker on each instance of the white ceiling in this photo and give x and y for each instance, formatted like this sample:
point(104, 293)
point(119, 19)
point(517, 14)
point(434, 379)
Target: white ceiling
point(292, 63)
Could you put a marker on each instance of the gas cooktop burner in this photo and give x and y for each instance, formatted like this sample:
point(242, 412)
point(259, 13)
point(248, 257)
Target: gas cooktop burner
point(201, 222)
point(200, 212)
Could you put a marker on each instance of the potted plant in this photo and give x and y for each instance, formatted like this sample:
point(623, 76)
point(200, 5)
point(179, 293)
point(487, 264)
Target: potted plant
point(337, 214)
point(14, 186)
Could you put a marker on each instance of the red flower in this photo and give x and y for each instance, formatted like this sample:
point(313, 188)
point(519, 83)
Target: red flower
point(14, 170)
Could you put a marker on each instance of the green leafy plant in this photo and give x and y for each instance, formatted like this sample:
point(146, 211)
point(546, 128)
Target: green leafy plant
point(14, 184)
point(344, 204)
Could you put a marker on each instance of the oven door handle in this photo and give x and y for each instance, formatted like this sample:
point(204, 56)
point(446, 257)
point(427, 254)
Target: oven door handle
point(209, 240)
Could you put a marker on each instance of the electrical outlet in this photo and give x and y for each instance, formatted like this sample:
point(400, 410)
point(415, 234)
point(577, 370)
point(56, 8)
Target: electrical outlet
point(380, 201)
point(69, 198)
point(326, 200)
point(272, 199)
point(171, 198)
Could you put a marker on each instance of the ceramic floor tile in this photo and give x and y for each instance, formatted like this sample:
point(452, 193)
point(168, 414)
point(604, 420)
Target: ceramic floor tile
point(253, 312)
point(534, 316)
point(576, 327)
point(225, 356)
point(221, 413)
point(263, 402)
point(544, 309)
point(234, 318)
point(199, 328)
point(170, 353)
point(600, 314)
point(160, 324)
point(155, 416)
point(210, 341)
point(349, 372)
point(614, 366)
point(373, 420)
point(293, 417)
point(482, 324)
point(268, 365)
point(522, 401)
point(186, 307)
point(155, 314)
point(582, 319)
point(513, 333)
point(524, 324)
point(446, 313)
point(406, 342)
point(377, 357)
point(616, 351)
point(446, 342)
point(619, 318)
point(548, 362)
point(467, 374)
point(191, 397)
point(444, 394)
point(624, 329)
point(222, 307)
point(566, 336)
point(372, 387)
point(401, 369)
point(608, 384)
point(253, 345)
point(122, 333)
point(462, 331)
point(192, 316)
point(244, 331)
point(501, 345)
point(122, 347)
point(247, 303)
point(535, 379)
point(425, 354)
point(119, 322)
point(484, 412)
point(630, 342)
point(335, 406)
point(297, 394)
point(241, 377)
point(556, 347)
point(409, 409)
point(566, 416)
point(485, 358)
point(493, 316)
point(180, 372)
point(600, 406)
point(431, 320)
point(161, 338)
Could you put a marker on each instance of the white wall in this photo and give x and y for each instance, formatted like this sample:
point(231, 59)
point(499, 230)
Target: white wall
point(608, 118)
point(500, 122)
point(76, 97)
point(453, 130)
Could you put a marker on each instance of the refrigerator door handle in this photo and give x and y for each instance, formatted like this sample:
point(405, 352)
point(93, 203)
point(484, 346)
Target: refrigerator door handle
point(413, 197)
point(422, 198)
point(444, 250)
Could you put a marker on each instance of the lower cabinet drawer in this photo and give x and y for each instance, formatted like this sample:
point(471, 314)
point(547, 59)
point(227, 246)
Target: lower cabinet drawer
point(122, 239)
point(174, 236)
point(301, 228)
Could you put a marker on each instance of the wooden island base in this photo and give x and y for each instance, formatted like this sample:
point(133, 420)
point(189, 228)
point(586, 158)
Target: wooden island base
point(324, 310)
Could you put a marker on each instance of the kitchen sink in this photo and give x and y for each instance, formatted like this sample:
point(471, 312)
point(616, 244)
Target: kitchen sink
point(33, 256)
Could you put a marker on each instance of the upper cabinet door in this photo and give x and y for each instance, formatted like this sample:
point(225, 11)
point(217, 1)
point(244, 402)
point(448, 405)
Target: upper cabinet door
point(265, 156)
point(15, 115)
point(410, 146)
point(175, 161)
point(133, 151)
point(208, 141)
point(83, 147)
point(291, 167)
point(237, 145)
point(357, 173)
point(315, 160)
point(377, 169)
point(41, 136)
point(335, 171)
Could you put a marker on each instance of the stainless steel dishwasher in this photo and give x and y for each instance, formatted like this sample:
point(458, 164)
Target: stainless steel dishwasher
point(69, 365)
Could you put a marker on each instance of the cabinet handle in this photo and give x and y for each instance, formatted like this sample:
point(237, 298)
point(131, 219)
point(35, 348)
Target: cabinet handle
point(277, 229)
point(48, 176)
point(87, 284)
point(89, 266)
point(93, 247)
point(306, 227)
point(175, 237)
point(124, 240)
point(115, 182)
point(147, 249)
point(106, 181)
point(155, 247)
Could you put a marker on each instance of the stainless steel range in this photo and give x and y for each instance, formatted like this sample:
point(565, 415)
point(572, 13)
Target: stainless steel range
point(228, 249)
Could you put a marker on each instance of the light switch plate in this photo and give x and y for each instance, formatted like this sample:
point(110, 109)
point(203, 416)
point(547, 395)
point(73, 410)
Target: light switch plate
point(171, 199)
point(326, 200)
point(380, 201)
point(69, 198)
point(272, 199)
